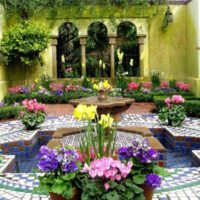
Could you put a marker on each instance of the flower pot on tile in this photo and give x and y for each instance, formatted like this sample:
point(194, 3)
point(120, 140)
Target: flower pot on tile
point(148, 191)
point(77, 196)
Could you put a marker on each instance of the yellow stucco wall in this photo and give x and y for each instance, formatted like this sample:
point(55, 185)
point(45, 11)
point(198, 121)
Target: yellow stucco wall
point(4, 84)
point(171, 51)
point(193, 41)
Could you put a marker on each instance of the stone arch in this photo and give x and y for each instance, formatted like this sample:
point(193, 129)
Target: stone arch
point(68, 51)
point(127, 42)
point(97, 48)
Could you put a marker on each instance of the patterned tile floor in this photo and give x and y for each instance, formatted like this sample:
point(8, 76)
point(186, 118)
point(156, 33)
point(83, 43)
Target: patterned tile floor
point(183, 184)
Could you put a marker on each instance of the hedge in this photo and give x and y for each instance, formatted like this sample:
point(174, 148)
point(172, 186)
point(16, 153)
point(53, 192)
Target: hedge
point(44, 98)
point(9, 112)
point(192, 107)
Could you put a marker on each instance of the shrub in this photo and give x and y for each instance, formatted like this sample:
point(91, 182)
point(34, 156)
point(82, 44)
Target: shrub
point(24, 42)
point(9, 112)
point(192, 108)
point(139, 96)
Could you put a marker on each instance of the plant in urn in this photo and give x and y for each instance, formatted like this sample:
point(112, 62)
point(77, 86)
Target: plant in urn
point(102, 88)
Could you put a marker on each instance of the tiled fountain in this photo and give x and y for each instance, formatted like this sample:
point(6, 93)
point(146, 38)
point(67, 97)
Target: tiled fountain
point(184, 182)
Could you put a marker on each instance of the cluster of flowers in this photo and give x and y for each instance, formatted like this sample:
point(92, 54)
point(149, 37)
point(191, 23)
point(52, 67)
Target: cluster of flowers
point(59, 88)
point(51, 159)
point(176, 99)
point(144, 154)
point(108, 169)
point(84, 112)
point(103, 85)
point(147, 86)
point(140, 150)
point(19, 89)
point(164, 85)
point(33, 106)
point(2, 104)
point(183, 86)
point(71, 87)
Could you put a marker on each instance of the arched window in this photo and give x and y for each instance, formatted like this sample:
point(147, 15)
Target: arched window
point(97, 49)
point(68, 52)
point(128, 44)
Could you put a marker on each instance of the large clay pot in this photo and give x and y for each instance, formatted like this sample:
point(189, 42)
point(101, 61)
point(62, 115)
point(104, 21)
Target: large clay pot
point(148, 192)
point(77, 196)
point(102, 95)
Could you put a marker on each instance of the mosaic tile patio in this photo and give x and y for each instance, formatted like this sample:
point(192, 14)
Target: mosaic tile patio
point(183, 184)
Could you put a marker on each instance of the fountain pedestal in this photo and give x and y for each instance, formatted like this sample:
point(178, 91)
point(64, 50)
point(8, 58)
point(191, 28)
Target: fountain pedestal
point(114, 106)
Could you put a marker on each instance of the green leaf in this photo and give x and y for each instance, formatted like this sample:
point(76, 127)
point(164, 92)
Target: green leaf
point(112, 196)
point(58, 188)
point(139, 179)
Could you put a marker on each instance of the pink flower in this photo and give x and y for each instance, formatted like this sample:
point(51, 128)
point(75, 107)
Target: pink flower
point(118, 177)
point(164, 84)
point(183, 86)
point(178, 99)
point(133, 86)
point(147, 85)
point(106, 186)
point(56, 86)
point(93, 173)
point(33, 106)
point(167, 100)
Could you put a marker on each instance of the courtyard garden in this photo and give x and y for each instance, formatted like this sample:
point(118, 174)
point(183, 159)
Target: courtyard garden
point(99, 100)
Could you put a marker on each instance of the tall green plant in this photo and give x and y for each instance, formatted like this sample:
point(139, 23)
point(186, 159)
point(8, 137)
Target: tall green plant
point(24, 43)
point(155, 79)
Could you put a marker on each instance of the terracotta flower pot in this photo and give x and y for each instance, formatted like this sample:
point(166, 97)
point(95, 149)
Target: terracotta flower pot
point(148, 192)
point(102, 95)
point(77, 196)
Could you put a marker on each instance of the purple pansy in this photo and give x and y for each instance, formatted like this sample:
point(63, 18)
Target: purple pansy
point(153, 180)
point(51, 160)
point(48, 159)
point(1, 104)
point(126, 152)
point(140, 150)
point(59, 92)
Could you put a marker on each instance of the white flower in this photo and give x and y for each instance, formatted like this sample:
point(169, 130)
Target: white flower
point(131, 63)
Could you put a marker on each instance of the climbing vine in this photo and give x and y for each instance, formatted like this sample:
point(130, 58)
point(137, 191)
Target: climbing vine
point(26, 8)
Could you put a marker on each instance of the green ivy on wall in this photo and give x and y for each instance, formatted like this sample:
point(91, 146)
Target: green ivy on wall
point(26, 8)
point(24, 43)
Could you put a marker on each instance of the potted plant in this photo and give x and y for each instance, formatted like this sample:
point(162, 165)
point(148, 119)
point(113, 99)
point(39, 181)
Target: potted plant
point(107, 178)
point(145, 173)
point(60, 167)
point(174, 112)
point(102, 88)
point(33, 115)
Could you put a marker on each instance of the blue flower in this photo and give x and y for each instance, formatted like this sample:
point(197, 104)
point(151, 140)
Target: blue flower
point(59, 92)
point(153, 180)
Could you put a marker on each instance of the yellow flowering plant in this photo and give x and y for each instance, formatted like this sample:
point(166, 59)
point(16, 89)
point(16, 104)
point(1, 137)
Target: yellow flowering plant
point(102, 85)
point(100, 135)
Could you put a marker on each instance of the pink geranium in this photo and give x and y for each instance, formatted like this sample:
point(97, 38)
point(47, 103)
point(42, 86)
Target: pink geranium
point(71, 87)
point(33, 106)
point(178, 99)
point(133, 86)
point(147, 85)
point(108, 169)
point(16, 89)
point(164, 84)
point(183, 86)
point(56, 86)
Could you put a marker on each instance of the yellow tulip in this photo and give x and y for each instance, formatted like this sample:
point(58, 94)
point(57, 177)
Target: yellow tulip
point(79, 112)
point(106, 121)
point(83, 112)
point(91, 112)
point(95, 87)
point(106, 85)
